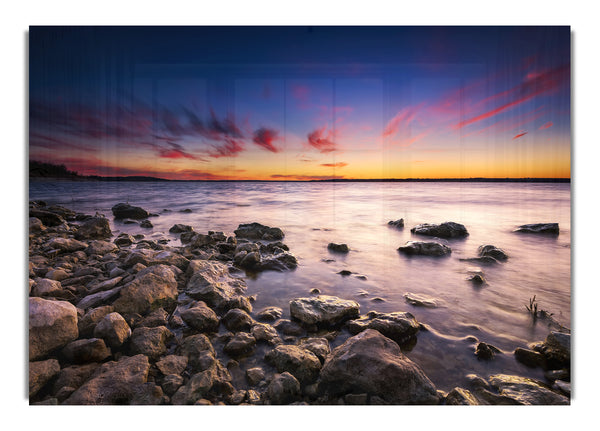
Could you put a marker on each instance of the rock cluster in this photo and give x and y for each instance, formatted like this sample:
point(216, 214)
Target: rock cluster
point(134, 321)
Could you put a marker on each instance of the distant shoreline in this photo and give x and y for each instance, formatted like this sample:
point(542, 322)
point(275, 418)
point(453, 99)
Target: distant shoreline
point(337, 180)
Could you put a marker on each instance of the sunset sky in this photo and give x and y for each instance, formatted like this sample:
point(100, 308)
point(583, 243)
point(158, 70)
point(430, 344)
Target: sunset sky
point(302, 103)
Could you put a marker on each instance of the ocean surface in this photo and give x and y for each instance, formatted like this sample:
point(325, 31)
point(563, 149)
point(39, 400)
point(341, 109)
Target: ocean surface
point(315, 214)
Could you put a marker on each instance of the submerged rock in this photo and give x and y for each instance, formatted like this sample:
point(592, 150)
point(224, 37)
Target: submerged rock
point(492, 251)
point(421, 300)
point(425, 248)
point(551, 228)
point(374, 364)
point(397, 223)
point(444, 230)
point(399, 326)
point(323, 310)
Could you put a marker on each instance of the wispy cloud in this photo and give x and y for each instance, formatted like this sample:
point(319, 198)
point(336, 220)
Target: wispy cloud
point(292, 177)
point(519, 135)
point(546, 126)
point(322, 140)
point(334, 165)
point(264, 138)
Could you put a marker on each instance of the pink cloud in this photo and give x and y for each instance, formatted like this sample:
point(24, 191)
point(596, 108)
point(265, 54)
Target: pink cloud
point(335, 165)
point(547, 125)
point(519, 135)
point(321, 139)
point(264, 138)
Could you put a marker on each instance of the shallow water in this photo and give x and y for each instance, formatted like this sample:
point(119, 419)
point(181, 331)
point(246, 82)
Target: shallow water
point(314, 214)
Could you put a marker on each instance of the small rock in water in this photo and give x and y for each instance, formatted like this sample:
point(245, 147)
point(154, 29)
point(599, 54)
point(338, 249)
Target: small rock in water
point(315, 291)
point(420, 300)
point(444, 230)
point(146, 224)
point(397, 223)
point(126, 211)
point(345, 273)
point(486, 351)
point(338, 248)
point(477, 279)
point(551, 228)
point(492, 251)
point(425, 248)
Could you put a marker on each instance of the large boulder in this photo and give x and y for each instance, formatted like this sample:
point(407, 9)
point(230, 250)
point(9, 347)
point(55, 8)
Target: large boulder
point(52, 324)
point(113, 383)
point(399, 326)
point(301, 363)
point(425, 248)
point(122, 210)
point(445, 230)
point(211, 282)
point(150, 341)
point(258, 231)
point(200, 317)
point(101, 247)
point(550, 228)
point(94, 228)
point(323, 310)
point(374, 364)
point(85, 350)
point(153, 287)
point(526, 391)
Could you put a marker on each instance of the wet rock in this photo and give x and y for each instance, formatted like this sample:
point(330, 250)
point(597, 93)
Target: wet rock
point(287, 327)
point(146, 224)
point(124, 240)
point(283, 389)
point(86, 350)
point(486, 351)
point(255, 375)
point(492, 251)
point(153, 287)
point(323, 310)
point(57, 274)
point(113, 329)
point(317, 345)
point(241, 344)
point(104, 285)
point(561, 386)
point(40, 373)
point(52, 324)
point(199, 351)
point(280, 262)
point(338, 248)
point(421, 300)
point(237, 320)
point(211, 282)
point(123, 211)
point(269, 314)
point(477, 279)
point(99, 247)
point(150, 341)
point(172, 364)
point(399, 326)
point(444, 230)
point(113, 383)
point(180, 228)
point(484, 260)
point(526, 391)
point(530, 358)
point(265, 332)
point(200, 317)
point(199, 386)
point(36, 225)
point(557, 350)
point(374, 364)
point(94, 228)
point(258, 231)
point(549, 228)
point(47, 218)
point(397, 223)
point(460, 397)
point(299, 362)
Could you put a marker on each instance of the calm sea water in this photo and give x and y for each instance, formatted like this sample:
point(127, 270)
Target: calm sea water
point(314, 214)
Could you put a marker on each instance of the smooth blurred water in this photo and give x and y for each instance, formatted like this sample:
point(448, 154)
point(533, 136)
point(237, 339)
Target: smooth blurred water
point(314, 214)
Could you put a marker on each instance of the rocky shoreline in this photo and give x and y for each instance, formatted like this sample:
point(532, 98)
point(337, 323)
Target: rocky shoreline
point(126, 320)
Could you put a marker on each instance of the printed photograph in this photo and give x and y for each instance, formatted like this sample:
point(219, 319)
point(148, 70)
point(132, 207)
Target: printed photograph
point(299, 215)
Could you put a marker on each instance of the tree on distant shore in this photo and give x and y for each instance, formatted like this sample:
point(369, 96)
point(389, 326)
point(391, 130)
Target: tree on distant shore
point(49, 170)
